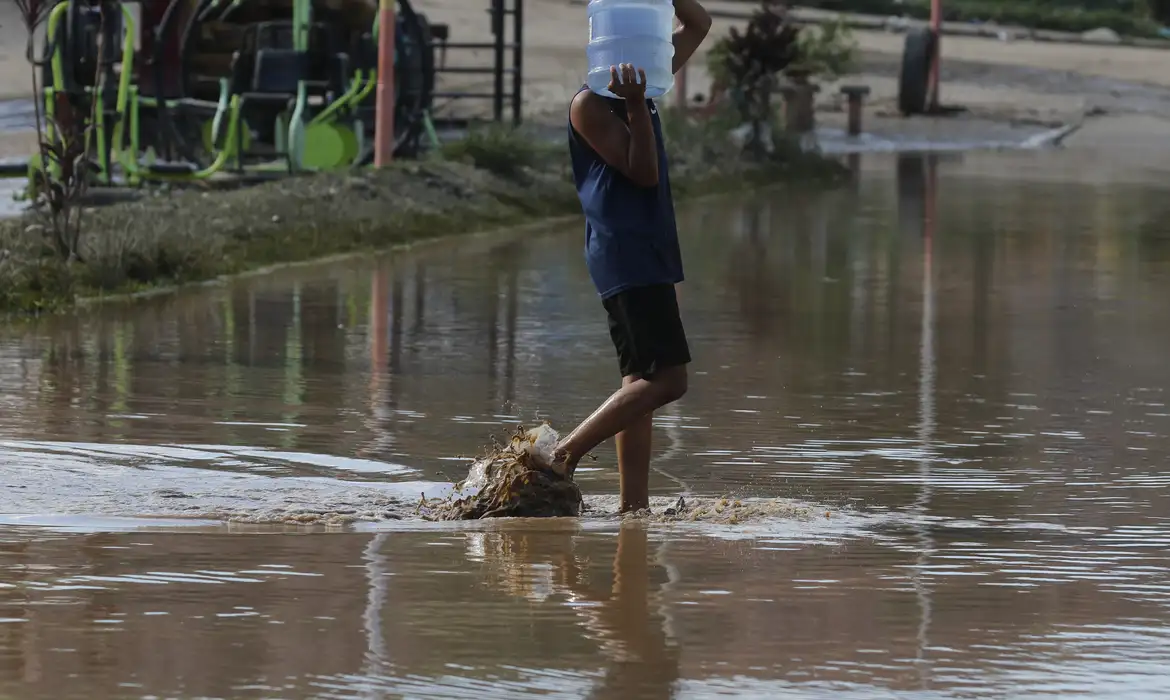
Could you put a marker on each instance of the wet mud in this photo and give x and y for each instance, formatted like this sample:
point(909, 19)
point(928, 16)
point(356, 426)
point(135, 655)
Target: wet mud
point(512, 480)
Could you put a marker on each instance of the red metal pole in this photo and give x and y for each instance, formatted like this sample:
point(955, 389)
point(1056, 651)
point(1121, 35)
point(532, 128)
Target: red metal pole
point(384, 104)
point(936, 28)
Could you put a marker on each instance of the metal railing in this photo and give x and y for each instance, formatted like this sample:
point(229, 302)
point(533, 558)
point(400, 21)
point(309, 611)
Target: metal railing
point(502, 47)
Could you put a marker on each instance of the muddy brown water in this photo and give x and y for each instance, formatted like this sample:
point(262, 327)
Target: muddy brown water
point(941, 389)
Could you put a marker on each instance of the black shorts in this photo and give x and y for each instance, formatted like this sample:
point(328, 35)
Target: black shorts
point(647, 330)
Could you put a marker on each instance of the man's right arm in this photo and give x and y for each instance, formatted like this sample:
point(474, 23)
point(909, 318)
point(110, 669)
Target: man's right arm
point(631, 149)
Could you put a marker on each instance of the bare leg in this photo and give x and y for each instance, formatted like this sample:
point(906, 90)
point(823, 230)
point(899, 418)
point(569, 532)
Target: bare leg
point(637, 399)
point(633, 453)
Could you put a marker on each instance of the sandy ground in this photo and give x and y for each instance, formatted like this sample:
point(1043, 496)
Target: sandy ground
point(1011, 82)
point(555, 35)
point(1006, 81)
point(14, 72)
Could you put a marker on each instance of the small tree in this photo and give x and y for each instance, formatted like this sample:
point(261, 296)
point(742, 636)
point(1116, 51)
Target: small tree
point(747, 63)
point(61, 173)
point(828, 49)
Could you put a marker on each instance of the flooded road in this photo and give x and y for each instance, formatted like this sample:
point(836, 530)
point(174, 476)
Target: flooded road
point(941, 390)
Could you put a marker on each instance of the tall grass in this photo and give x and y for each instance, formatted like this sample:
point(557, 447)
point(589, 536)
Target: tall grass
point(504, 150)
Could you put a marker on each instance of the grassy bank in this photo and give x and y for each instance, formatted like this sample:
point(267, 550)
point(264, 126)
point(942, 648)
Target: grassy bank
point(1126, 17)
point(492, 179)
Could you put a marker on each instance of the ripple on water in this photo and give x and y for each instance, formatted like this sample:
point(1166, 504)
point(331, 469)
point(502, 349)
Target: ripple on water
point(209, 482)
point(87, 486)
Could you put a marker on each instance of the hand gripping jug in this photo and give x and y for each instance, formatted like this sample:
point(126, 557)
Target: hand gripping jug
point(638, 32)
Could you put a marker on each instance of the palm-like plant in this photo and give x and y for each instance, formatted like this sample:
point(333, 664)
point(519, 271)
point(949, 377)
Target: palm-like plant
point(747, 63)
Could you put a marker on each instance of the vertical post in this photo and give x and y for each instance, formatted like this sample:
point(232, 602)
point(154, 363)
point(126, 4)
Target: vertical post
point(302, 17)
point(498, 60)
point(517, 60)
point(854, 116)
point(799, 115)
point(932, 100)
point(854, 94)
point(384, 104)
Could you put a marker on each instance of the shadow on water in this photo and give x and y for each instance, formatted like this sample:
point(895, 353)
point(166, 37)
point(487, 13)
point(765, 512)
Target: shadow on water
point(960, 357)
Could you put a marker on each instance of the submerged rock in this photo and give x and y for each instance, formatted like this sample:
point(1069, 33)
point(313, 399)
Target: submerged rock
point(512, 480)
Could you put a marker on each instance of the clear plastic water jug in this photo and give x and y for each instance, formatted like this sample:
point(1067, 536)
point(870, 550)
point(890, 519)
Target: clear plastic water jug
point(638, 32)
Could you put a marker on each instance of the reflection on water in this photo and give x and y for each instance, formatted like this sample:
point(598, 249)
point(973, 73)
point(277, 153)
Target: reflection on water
point(548, 609)
point(968, 365)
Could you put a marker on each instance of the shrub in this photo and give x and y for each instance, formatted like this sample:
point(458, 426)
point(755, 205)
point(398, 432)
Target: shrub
point(827, 49)
point(500, 149)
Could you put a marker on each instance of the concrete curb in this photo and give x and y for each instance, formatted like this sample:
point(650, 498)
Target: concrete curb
point(807, 15)
point(983, 31)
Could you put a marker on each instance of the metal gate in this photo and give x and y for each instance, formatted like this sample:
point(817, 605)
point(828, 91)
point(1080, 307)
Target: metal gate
point(506, 69)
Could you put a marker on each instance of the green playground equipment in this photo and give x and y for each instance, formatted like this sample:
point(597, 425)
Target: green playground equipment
point(66, 88)
point(305, 86)
point(254, 89)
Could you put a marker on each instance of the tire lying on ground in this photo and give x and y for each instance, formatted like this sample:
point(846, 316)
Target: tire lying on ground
point(914, 80)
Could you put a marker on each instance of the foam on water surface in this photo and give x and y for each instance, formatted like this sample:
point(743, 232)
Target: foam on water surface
point(202, 482)
point(96, 487)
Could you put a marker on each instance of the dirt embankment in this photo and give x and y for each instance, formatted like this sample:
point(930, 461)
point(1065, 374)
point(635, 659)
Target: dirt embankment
point(493, 179)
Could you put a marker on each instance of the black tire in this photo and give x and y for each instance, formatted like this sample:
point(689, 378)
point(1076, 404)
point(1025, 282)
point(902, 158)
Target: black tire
point(914, 80)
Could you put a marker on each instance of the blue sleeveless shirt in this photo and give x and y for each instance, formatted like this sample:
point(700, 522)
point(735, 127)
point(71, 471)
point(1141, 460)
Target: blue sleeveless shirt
point(631, 239)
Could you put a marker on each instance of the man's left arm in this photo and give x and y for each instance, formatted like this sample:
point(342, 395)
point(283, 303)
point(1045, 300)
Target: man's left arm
point(695, 25)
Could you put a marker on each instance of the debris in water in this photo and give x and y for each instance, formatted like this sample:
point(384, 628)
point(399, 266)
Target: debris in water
point(512, 480)
point(677, 509)
point(727, 511)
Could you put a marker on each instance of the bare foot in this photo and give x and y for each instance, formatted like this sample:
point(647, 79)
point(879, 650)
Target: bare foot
point(561, 465)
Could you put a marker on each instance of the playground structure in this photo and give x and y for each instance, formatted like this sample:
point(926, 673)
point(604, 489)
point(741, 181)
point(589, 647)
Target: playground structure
point(185, 90)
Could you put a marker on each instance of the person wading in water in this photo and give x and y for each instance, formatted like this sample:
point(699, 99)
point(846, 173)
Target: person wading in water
point(632, 252)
